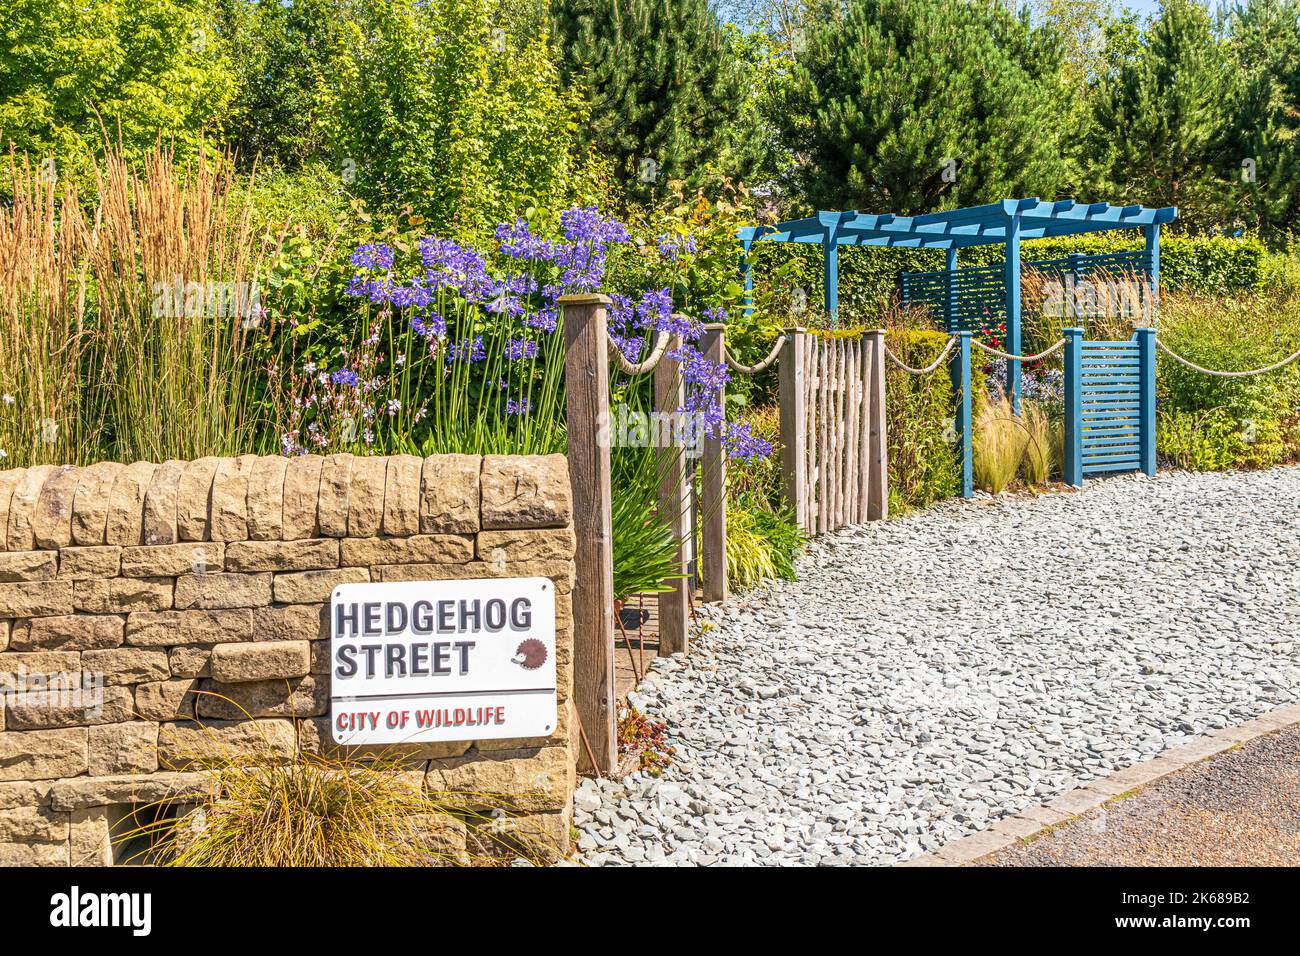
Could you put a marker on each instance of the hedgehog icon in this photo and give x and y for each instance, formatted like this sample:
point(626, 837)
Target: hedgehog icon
point(530, 654)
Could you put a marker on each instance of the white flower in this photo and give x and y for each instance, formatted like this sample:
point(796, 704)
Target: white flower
point(394, 406)
point(399, 361)
point(7, 399)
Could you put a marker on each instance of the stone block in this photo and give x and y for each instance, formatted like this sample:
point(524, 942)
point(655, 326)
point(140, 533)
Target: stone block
point(295, 622)
point(170, 560)
point(301, 493)
point(312, 587)
point(518, 781)
point(91, 501)
point(402, 496)
point(160, 504)
point(22, 508)
point(192, 661)
point(122, 595)
point(366, 496)
point(70, 632)
point(182, 745)
point(230, 499)
point(449, 494)
point(127, 665)
point(177, 628)
point(421, 548)
point(9, 480)
point(194, 499)
point(301, 697)
point(240, 663)
point(525, 491)
point(222, 590)
point(543, 544)
point(52, 520)
point(83, 792)
point(69, 709)
point(332, 506)
point(266, 498)
point(28, 566)
point(93, 561)
point(166, 700)
point(91, 836)
point(129, 747)
point(42, 754)
point(36, 598)
point(125, 524)
point(307, 554)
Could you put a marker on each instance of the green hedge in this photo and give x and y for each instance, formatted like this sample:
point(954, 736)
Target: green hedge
point(1210, 265)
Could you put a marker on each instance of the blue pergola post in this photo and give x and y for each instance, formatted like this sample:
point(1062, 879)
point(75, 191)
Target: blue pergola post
point(831, 276)
point(1072, 466)
point(747, 275)
point(1152, 233)
point(1012, 306)
point(963, 423)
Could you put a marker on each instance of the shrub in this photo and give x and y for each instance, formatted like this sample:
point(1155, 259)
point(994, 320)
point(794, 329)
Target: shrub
point(1221, 422)
point(1038, 463)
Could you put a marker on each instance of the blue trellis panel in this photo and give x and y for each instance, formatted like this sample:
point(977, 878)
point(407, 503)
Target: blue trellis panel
point(972, 296)
point(1109, 405)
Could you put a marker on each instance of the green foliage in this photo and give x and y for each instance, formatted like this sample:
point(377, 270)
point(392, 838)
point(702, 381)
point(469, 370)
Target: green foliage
point(1164, 109)
point(1263, 142)
point(437, 112)
point(923, 462)
point(913, 105)
point(132, 69)
point(762, 543)
point(1246, 422)
point(645, 552)
point(664, 85)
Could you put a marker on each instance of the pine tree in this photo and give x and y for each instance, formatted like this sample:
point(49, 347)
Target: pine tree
point(666, 89)
point(1264, 139)
point(915, 105)
point(1160, 118)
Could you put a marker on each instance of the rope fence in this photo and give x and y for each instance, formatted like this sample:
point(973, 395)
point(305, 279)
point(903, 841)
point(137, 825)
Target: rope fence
point(929, 368)
point(1221, 374)
point(772, 356)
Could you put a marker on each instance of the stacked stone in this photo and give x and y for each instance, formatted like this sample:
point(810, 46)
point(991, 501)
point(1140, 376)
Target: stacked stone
point(196, 594)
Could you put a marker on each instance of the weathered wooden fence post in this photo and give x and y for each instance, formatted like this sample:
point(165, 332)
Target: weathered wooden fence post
point(670, 399)
point(794, 424)
point(961, 386)
point(1072, 452)
point(877, 460)
point(586, 372)
point(713, 483)
point(1146, 340)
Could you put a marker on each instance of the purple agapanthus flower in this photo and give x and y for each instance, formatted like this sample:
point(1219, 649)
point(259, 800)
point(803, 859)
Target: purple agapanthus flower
point(373, 255)
point(520, 407)
point(345, 376)
point(521, 349)
point(465, 350)
point(673, 247)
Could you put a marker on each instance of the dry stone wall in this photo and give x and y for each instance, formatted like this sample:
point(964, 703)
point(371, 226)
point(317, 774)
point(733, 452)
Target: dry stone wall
point(189, 602)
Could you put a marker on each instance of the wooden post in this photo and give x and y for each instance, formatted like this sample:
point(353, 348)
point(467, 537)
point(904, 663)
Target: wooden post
point(794, 424)
point(1072, 466)
point(713, 484)
point(586, 378)
point(869, 347)
point(1146, 340)
point(670, 399)
point(961, 386)
point(877, 446)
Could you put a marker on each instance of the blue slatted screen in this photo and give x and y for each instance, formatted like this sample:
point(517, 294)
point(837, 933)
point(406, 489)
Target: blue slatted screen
point(1111, 406)
point(973, 296)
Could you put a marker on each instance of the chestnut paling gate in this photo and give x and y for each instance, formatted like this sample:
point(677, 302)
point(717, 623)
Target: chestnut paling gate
point(833, 461)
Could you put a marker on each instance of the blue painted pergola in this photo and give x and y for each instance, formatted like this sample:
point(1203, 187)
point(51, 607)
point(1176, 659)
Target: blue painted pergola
point(1004, 223)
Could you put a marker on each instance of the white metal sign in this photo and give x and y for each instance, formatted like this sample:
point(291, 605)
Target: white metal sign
point(421, 661)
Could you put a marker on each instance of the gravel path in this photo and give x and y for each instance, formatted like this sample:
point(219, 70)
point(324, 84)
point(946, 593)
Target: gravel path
point(929, 675)
point(1240, 808)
